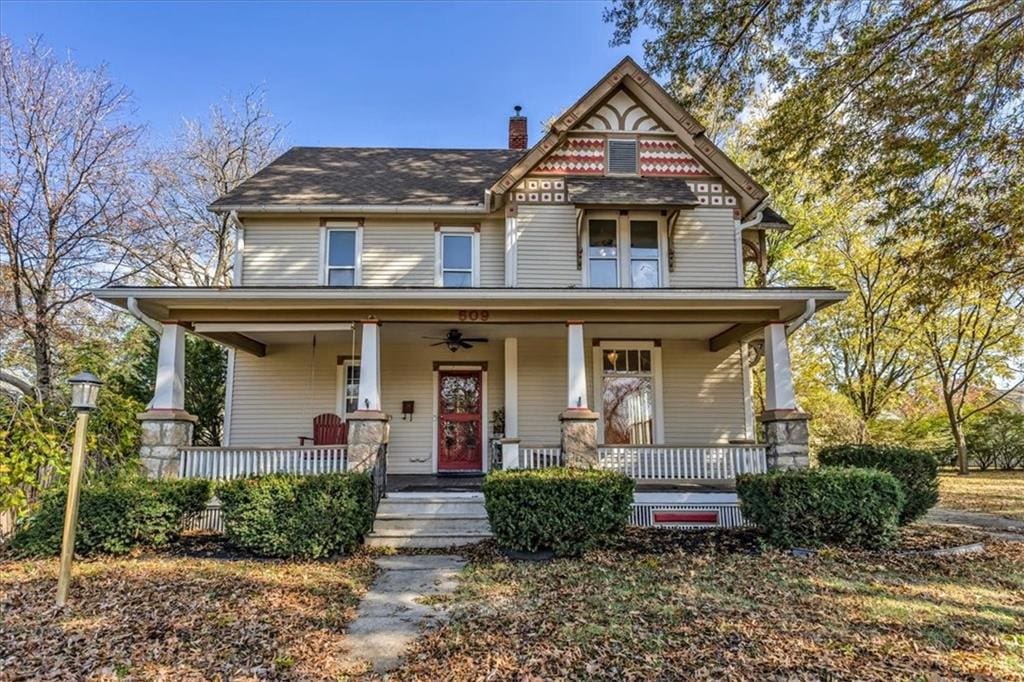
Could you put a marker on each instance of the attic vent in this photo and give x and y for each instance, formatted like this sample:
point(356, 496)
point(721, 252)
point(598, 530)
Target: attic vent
point(622, 157)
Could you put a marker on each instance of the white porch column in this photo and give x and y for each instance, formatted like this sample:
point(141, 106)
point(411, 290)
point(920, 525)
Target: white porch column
point(369, 367)
point(166, 426)
point(779, 393)
point(579, 424)
point(510, 443)
point(170, 369)
point(577, 395)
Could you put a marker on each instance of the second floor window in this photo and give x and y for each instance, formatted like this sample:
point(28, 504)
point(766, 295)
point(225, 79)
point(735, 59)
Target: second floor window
point(624, 251)
point(604, 253)
point(457, 257)
point(341, 258)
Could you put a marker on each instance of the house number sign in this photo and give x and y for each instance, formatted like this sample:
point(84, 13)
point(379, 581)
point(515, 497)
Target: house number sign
point(473, 315)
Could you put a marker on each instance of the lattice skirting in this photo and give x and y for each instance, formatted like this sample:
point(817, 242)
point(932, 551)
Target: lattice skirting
point(208, 520)
point(657, 515)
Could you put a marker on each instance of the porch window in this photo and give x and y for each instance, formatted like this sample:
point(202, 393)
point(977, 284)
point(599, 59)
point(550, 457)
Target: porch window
point(604, 253)
point(342, 254)
point(348, 387)
point(627, 400)
point(458, 257)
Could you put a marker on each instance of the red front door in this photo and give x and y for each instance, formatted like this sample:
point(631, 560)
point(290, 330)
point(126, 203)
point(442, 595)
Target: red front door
point(459, 420)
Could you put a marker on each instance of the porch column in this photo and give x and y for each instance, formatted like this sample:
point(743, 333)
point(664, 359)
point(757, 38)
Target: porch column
point(166, 426)
point(368, 425)
point(579, 424)
point(510, 442)
point(785, 426)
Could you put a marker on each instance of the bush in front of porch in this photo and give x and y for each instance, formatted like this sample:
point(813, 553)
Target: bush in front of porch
point(916, 470)
point(829, 506)
point(565, 510)
point(286, 515)
point(116, 514)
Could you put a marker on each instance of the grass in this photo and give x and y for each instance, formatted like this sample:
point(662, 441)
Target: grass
point(703, 613)
point(992, 492)
point(180, 618)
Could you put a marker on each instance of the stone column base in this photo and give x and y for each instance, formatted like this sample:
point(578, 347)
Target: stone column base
point(367, 431)
point(786, 434)
point(579, 438)
point(163, 433)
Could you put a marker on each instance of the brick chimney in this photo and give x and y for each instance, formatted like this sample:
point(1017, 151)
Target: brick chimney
point(517, 130)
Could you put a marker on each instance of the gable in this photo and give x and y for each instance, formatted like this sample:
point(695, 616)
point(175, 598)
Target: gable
point(622, 113)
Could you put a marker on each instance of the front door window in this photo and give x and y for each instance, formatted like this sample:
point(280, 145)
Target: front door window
point(627, 385)
point(460, 421)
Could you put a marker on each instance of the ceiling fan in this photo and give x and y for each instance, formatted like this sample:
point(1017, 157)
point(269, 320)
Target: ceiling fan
point(455, 340)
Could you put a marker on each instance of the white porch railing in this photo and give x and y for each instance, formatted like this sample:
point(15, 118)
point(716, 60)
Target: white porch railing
point(223, 464)
point(540, 456)
point(662, 462)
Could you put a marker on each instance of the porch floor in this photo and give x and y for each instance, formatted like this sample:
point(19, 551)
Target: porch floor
point(423, 483)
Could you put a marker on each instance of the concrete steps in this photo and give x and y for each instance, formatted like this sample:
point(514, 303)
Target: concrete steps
point(434, 519)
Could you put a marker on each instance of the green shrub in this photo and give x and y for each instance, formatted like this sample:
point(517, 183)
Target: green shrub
point(812, 507)
point(916, 470)
point(115, 516)
point(283, 515)
point(565, 510)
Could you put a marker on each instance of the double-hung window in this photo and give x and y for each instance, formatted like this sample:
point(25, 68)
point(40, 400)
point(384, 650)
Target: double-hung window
point(341, 254)
point(458, 257)
point(625, 250)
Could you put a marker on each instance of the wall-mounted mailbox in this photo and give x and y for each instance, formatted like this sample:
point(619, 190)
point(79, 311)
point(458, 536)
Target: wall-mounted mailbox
point(408, 407)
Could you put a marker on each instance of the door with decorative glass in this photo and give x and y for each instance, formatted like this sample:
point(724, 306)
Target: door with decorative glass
point(459, 420)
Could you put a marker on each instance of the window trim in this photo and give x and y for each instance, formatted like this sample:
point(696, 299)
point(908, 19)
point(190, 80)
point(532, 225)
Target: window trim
point(326, 228)
point(656, 379)
point(636, 156)
point(439, 234)
point(623, 244)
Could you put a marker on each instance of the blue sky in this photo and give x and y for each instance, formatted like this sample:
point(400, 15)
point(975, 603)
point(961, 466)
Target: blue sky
point(347, 74)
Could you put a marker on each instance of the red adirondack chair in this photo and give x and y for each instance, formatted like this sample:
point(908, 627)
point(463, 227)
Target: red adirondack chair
point(328, 429)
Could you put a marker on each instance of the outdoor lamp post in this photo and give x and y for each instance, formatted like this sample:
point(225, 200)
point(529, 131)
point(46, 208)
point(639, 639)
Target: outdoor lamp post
point(85, 386)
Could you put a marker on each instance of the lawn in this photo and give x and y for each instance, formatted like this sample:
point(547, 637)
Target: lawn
point(178, 618)
point(992, 492)
point(730, 615)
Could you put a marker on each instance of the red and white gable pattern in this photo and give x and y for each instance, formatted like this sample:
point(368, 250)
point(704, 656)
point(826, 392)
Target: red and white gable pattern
point(666, 157)
point(540, 190)
point(621, 114)
point(576, 156)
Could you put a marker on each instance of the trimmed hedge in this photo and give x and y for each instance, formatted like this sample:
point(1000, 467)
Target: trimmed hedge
point(115, 516)
point(565, 510)
point(833, 506)
point(916, 470)
point(283, 515)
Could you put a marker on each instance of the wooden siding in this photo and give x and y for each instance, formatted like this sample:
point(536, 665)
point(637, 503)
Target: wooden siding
point(398, 253)
point(492, 253)
point(281, 252)
point(703, 393)
point(543, 375)
point(547, 246)
point(705, 246)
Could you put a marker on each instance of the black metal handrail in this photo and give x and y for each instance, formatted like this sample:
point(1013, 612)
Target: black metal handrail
point(379, 476)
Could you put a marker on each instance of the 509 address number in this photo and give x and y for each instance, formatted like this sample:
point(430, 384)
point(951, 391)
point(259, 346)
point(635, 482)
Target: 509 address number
point(473, 315)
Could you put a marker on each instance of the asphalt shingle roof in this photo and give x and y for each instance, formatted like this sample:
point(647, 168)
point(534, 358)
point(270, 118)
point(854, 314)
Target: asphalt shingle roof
point(630, 191)
point(374, 176)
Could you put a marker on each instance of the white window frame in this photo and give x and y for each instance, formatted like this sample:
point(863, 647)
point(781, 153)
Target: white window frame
point(439, 234)
point(636, 152)
point(340, 385)
point(325, 268)
point(656, 376)
point(625, 274)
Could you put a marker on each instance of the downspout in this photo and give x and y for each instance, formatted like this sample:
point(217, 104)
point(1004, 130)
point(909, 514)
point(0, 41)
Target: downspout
point(133, 308)
point(809, 307)
point(758, 216)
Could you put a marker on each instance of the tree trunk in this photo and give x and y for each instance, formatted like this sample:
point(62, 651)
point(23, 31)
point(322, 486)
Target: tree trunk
point(43, 356)
point(961, 447)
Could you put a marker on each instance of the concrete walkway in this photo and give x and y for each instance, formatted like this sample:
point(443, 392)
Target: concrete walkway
point(996, 526)
point(392, 613)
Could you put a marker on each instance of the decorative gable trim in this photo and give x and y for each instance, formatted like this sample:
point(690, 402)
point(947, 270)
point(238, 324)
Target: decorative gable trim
point(647, 93)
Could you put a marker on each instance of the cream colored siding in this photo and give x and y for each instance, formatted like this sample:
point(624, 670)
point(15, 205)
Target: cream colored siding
point(543, 375)
point(407, 373)
point(703, 393)
point(398, 253)
point(492, 253)
point(281, 252)
point(547, 246)
point(705, 246)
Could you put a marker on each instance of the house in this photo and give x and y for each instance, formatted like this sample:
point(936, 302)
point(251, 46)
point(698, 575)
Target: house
point(577, 301)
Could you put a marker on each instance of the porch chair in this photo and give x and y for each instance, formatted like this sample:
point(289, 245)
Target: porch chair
point(328, 429)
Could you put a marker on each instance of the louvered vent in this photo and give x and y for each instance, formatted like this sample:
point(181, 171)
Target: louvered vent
point(622, 157)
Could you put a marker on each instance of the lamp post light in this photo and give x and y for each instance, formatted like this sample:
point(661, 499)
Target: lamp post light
point(85, 387)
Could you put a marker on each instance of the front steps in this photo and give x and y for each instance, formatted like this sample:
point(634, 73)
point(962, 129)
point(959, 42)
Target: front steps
point(433, 519)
